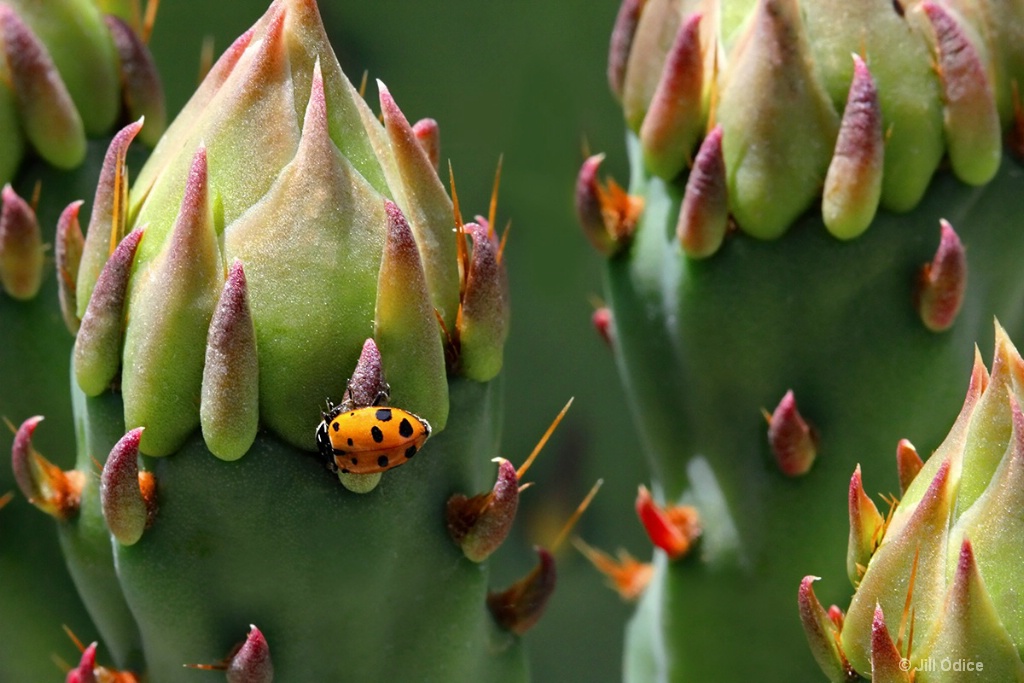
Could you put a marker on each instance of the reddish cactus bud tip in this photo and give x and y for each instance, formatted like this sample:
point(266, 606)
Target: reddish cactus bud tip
point(127, 496)
point(822, 633)
point(866, 529)
point(793, 441)
point(603, 324)
point(621, 43)
point(479, 525)
point(674, 529)
point(908, 464)
point(704, 214)
point(21, 247)
point(429, 135)
point(942, 283)
point(520, 606)
point(252, 663)
point(52, 490)
point(69, 245)
point(608, 215)
point(367, 380)
point(85, 672)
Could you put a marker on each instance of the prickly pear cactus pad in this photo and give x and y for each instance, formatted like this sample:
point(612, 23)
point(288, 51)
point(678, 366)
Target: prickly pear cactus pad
point(820, 222)
point(284, 248)
point(69, 73)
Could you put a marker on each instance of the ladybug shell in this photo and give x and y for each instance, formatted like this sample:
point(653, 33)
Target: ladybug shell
point(375, 438)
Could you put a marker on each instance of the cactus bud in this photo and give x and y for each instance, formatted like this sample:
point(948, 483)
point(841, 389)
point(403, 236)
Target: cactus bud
point(21, 246)
point(521, 605)
point(943, 282)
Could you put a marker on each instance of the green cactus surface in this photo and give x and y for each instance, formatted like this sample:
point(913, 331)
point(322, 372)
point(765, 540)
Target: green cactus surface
point(732, 290)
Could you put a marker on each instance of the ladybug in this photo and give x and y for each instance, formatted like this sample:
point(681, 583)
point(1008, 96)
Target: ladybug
point(369, 439)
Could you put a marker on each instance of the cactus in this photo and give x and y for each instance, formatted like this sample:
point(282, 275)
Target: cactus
point(820, 222)
point(936, 578)
point(70, 73)
point(282, 247)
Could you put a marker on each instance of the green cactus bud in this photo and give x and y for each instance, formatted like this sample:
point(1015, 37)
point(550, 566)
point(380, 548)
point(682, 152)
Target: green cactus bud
point(945, 559)
point(223, 299)
point(766, 256)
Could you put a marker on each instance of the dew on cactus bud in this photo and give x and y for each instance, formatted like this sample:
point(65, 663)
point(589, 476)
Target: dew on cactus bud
point(793, 441)
point(49, 488)
point(704, 213)
point(21, 247)
point(520, 606)
point(942, 283)
point(853, 184)
point(127, 496)
point(673, 528)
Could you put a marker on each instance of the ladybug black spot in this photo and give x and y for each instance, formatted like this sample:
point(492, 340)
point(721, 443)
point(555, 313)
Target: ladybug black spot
point(355, 460)
point(378, 436)
point(344, 471)
point(384, 414)
point(382, 461)
point(350, 442)
point(335, 426)
point(410, 451)
point(404, 428)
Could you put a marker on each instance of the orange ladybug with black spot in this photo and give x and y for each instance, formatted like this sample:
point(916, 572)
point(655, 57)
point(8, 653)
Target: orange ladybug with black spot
point(369, 439)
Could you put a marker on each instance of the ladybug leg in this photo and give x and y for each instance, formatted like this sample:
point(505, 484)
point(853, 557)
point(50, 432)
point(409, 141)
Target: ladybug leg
point(383, 396)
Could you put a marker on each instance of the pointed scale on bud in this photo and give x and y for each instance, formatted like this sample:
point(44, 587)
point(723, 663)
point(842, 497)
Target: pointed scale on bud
point(365, 387)
point(141, 89)
point(866, 529)
point(406, 328)
point(85, 672)
point(608, 216)
point(52, 490)
point(252, 663)
point(604, 323)
point(908, 565)
point(908, 464)
point(704, 214)
point(793, 441)
point(483, 320)
point(776, 147)
point(109, 214)
point(21, 247)
point(887, 663)
point(822, 634)
point(69, 245)
point(47, 113)
point(479, 525)
point(426, 206)
point(128, 496)
point(97, 353)
point(971, 627)
point(171, 308)
point(627, 575)
point(973, 132)
point(674, 529)
point(943, 282)
point(853, 184)
point(621, 43)
point(229, 407)
point(521, 605)
point(675, 116)
point(429, 135)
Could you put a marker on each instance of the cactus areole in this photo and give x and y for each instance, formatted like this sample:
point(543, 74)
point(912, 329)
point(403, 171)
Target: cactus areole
point(825, 209)
point(219, 302)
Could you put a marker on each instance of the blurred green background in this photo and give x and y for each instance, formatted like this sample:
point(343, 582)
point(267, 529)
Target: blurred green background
point(525, 79)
